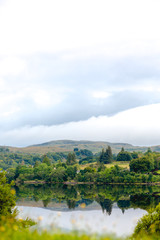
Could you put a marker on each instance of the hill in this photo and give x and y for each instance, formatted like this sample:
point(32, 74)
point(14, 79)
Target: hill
point(69, 145)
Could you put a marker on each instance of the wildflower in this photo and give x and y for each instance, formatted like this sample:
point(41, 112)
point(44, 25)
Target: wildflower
point(15, 227)
point(40, 218)
point(83, 205)
point(73, 221)
point(12, 191)
point(59, 214)
point(2, 229)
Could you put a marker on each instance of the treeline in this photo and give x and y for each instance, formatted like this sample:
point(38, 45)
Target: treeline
point(63, 167)
point(61, 173)
point(10, 159)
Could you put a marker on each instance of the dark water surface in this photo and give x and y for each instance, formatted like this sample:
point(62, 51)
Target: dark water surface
point(93, 208)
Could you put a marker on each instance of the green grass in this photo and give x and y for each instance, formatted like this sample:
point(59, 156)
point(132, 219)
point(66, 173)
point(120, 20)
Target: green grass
point(94, 164)
point(120, 164)
point(27, 235)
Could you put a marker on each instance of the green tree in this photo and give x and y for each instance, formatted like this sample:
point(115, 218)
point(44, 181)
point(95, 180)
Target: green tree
point(36, 163)
point(124, 156)
point(71, 171)
point(46, 160)
point(7, 196)
point(134, 155)
point(148, 225)
point(71, 159)
point(106, 156)
point(141, 165)
point(109, 156)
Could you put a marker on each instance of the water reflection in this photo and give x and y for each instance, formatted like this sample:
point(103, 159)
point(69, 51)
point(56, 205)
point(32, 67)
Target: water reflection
point(76, 196)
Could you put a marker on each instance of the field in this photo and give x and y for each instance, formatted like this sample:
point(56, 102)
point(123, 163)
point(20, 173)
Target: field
point(120, 164)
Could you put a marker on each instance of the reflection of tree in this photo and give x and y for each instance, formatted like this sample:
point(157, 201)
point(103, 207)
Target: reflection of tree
point(142, 197)
point(143, 201)
point(71, 204)
point(106, 204)
point(123, 204)
point(71, 192)
point(36, 198)
point(46, 201)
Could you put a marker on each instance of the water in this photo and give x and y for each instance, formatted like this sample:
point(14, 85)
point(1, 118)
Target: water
point(94, 209)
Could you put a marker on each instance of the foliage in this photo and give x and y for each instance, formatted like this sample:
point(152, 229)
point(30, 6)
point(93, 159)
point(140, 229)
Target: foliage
point(149, 224)
point(124, 156)
point(7, 196)
point(46, 160)
point(8, 216)
point(142, 165)
point(106, 156)
point(71, 159)
point(16, 234)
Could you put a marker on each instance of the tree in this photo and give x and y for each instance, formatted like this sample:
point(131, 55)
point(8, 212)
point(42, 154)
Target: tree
point(46, 160)
point(141, 165)
point(122, 149)
point(134, 155)
point(71, 171)
point(36, 163)
point(148, 225)
point(75, 149)
point(109, 156)
point(71, 159)
point(124, 156)
point(7, 196)
point(106, 156)
point(102, 156)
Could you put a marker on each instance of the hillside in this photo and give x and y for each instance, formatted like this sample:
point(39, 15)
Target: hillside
point(69, 145)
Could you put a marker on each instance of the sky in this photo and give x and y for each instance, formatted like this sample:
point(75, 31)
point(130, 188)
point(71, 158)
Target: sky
point(79, 70)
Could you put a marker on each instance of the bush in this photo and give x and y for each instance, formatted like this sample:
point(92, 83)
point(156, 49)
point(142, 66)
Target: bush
point(149, 224)
point(7, 196)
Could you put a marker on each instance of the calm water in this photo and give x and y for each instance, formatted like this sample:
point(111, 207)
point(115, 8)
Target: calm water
point(90, 208)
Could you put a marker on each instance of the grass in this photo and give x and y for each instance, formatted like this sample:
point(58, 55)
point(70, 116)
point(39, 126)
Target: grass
point(120, 164)
point(94, 164)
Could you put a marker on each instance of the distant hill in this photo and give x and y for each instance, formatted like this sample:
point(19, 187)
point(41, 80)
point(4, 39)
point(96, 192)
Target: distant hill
point(69, 145)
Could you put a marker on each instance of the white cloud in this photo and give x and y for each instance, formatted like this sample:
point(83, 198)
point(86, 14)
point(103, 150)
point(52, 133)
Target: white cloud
point(100, 94)
point(11, 66)
point(29, 26)
point(63, 61)
point(138, 126)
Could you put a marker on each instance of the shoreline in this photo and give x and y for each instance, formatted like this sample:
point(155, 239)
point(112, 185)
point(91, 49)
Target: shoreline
point(86, 183)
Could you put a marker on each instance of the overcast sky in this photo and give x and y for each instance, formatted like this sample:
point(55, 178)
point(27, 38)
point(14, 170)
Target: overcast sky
point(79, 70)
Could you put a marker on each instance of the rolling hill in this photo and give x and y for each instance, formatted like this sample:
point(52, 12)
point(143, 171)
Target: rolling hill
point(69, 145)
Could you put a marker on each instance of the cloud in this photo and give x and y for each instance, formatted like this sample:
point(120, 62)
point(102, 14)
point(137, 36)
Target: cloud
point(139, 126)
point(35, 26)
point(68, 61)
point(49, 91)
point(11, 66)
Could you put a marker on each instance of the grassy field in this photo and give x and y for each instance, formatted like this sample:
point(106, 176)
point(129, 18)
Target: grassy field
point(120, 164)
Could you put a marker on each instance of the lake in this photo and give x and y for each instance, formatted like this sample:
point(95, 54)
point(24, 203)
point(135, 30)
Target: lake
point(91, 208)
